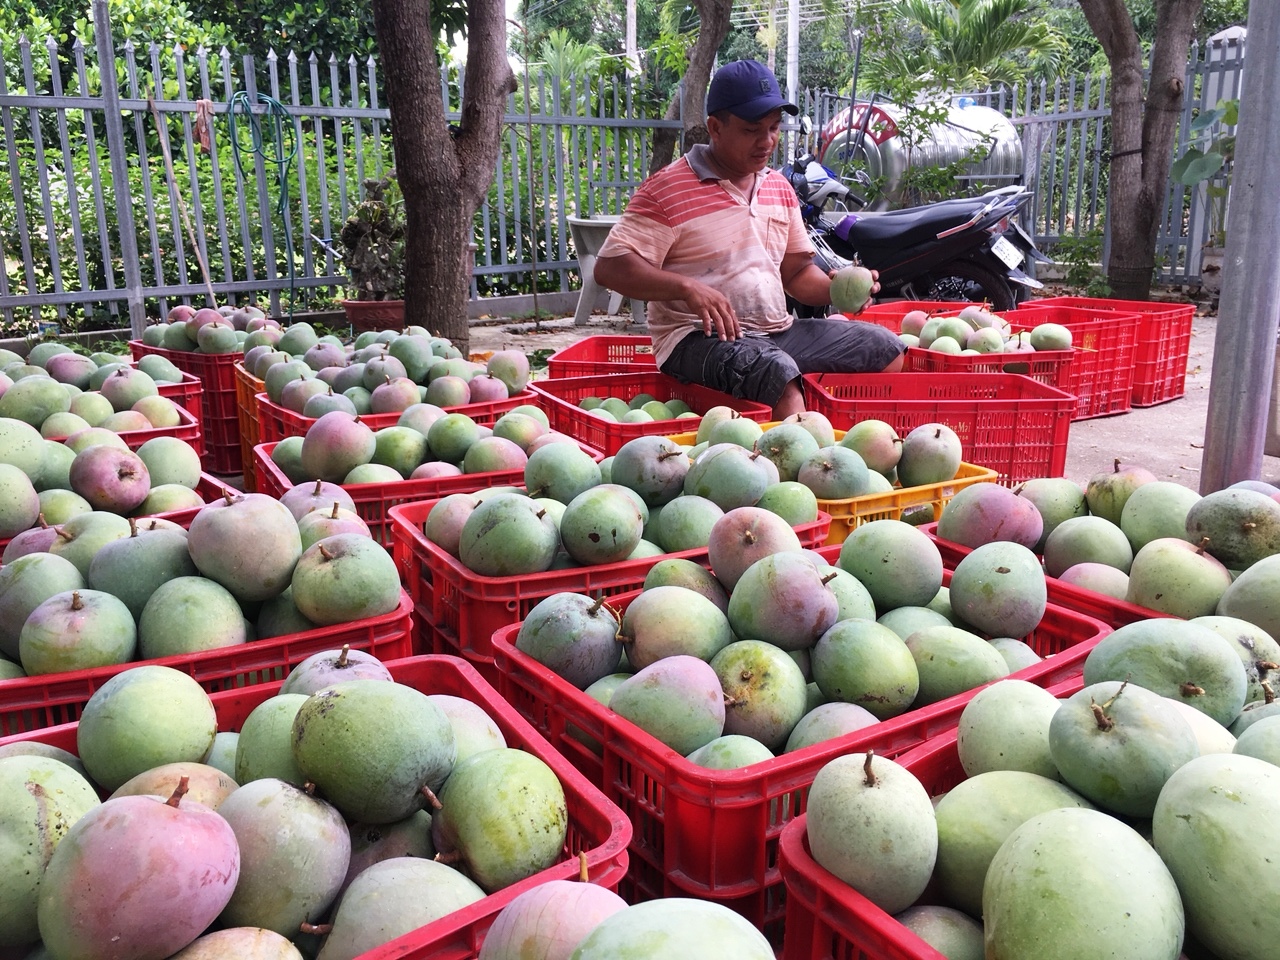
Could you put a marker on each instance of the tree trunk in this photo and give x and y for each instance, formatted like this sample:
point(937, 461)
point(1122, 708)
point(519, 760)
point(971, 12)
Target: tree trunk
point(713, 28)
point(443, 174)
point(1143, 124)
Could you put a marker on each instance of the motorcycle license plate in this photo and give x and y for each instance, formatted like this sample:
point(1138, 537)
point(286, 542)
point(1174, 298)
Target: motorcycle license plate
point(1010, 255)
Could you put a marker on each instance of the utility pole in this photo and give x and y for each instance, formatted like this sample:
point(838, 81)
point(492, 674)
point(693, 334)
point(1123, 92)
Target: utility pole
point(1249, 309)
point(793, 51)
point(633, 60)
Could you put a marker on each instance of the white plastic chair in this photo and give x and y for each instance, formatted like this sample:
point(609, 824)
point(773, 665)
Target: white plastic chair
point(588, 237)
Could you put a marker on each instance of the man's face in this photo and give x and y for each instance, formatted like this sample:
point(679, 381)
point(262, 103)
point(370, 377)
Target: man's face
point(745, 146)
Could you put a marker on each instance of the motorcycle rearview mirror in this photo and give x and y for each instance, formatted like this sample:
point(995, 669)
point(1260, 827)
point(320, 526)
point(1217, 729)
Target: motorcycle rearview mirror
point(806, 125)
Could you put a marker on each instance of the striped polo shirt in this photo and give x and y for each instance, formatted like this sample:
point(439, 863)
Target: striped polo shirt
point(686, 220)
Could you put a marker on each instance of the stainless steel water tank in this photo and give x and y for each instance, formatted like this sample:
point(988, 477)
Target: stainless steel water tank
point(884, 154)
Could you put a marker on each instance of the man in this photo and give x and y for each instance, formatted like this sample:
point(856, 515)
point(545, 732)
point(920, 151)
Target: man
point(715, 241)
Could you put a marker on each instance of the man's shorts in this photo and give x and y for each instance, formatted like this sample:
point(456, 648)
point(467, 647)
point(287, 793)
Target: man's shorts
point(759, 367)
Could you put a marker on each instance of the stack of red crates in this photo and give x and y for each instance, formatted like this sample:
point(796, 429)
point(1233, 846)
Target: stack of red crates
point(1106, 348)
point(247, 389)
point(219, 419)
point(1163, 343)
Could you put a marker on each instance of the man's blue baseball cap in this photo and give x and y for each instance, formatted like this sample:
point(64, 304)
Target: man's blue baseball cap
point(747, 89)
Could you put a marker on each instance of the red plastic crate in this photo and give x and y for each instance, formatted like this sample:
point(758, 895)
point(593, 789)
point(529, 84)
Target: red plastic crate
point(596, 827)
point(209, 487)
point(600, 355)
point(188, 429)
point(1164, 343)
point(1050, 367)
point(457, 611)
point(276, 422)
point(219, 421)
point(828, 918)
point(1115, 613)
point(215, 370)
point(825, 917)
point(247, 389)
point(1106, 348)
point(714, 833)
point(1009, 423)
point(560, 399)
point(186, 393)
point(889, 314)
point(33, 703)
point(375, 500)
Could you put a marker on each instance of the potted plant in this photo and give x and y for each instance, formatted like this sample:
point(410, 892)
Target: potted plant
point(372, 244)
point(1208, 153)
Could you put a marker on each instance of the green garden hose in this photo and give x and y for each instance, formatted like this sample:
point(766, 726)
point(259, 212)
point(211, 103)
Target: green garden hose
point(275, 146)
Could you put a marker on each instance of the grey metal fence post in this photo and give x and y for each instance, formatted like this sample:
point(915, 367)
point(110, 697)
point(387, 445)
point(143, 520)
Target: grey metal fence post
point(119, 167)
point(1244, 343)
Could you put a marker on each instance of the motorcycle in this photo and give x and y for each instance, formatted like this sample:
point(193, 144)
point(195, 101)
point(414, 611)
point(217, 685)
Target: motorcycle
point(964, 250)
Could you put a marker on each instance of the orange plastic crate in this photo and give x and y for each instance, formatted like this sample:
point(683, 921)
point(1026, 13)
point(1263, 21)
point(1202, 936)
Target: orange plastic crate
point(33, 703)
point(1106, 348)
point(276, 422)
point(597, 829)
point(714, 833)
point(599, 355)
point(1011, 424)
point(247, 389)
point(560, 399)
point(457, 611)
point(847, 515)
point(375, 500)
point(1164, 343)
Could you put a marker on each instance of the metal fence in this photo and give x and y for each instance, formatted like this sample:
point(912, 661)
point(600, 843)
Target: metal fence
point(292, 142)
point(85, 160)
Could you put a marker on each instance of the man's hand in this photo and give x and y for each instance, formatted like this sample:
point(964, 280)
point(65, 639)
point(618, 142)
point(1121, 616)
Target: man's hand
point(875, 287)
point(632, 276)
point(718, 318)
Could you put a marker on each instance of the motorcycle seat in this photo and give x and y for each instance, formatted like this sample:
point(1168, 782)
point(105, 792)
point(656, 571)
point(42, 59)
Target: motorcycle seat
point(905, 228)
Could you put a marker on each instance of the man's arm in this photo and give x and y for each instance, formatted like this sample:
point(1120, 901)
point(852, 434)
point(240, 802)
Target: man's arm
point(633, 276)
point(805, 281)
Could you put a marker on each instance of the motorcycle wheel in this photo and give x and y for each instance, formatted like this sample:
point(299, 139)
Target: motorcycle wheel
point(966, 280)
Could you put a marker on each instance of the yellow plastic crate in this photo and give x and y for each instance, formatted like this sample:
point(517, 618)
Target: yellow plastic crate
point(848, 515)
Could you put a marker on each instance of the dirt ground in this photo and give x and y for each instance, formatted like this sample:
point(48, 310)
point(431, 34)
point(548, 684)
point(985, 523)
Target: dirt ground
point(1167, 439)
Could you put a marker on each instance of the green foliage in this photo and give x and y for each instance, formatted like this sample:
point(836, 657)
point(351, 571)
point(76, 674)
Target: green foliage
point(965, 43)
point(1082, 256)
point(586, 22)
point(1210, 151)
